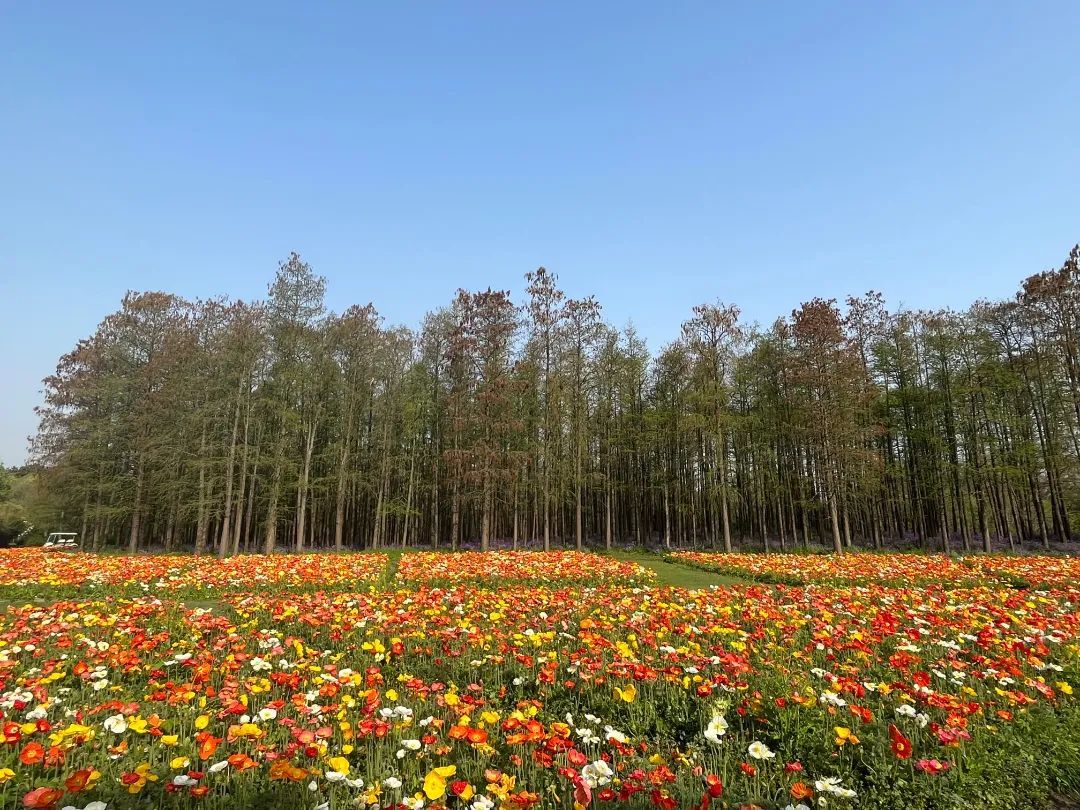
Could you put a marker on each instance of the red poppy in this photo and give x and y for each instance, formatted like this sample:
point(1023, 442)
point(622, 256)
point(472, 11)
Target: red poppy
point(715, 788)
point(79, 780)
point(901, 745)
point(582, 793)
point(43, 798)
point(862, 713)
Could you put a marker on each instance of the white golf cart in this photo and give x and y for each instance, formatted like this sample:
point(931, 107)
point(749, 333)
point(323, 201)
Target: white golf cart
point(61, 541)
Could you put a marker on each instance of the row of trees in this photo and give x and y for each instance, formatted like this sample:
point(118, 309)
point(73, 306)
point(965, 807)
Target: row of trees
point(231, 426)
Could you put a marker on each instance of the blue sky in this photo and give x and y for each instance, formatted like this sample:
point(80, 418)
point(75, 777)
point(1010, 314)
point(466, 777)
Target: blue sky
point(658, 155)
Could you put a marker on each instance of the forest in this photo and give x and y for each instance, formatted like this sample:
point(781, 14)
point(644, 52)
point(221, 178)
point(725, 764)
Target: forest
point(229, 426)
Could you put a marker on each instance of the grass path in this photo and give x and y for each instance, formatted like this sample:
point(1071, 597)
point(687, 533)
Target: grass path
point(393, 558)
point(681, 576)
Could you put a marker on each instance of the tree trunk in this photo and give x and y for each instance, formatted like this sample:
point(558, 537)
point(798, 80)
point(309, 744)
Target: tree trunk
point(223, 538)
point(408, 499)
point(667, 519)
point(607, 516)
point(835, 520)
point(485, 515)
point(305, 476)
point(136, 511)
point(342, 483)
point(202, 524)
point(272, 509)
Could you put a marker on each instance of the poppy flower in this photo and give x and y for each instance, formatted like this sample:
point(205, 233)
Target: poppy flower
point(845, 736)
point(800, 790)
point(435, 781)
point(627, 693)
point(714, 786)
point(932, 766)
point(83, 779)
point(901, 745)
point(43, 798)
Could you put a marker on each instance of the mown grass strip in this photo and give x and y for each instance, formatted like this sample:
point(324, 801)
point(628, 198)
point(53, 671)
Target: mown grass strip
point(676, 574)
point(393, 559)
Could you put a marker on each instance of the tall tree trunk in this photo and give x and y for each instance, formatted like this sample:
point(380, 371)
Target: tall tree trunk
point(223, 538)
point(667, 519)
point(202, 523)
point(376, 534)
point(272, 508)
point(342, 483)
point(136, 510)
point(170, 524)
point(835, 520)
point(514, 541)
point(724, 512)
point(249, 513)
point(302, 494)
point(409, 499)
point(485, 514)
point(455, 516)
point(607, 515)
point(234, 536)
point(547, 509)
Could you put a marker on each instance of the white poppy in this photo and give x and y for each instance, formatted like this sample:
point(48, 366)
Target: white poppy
point(758, 750)
point(716, 729)
point(597, 773)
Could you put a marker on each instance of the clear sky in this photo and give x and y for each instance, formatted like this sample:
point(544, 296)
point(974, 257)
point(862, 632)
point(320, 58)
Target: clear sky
point(656, 154)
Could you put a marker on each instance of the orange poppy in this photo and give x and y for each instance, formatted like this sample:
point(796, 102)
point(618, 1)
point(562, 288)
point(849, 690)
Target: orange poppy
point(800, 790)
point(32, 754)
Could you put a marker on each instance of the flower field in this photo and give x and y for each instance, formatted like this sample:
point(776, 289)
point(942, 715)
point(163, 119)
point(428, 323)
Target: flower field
point(1036, 571)
point(31, 571)
point(503, 693)
point(501, 567)
point(899, 570)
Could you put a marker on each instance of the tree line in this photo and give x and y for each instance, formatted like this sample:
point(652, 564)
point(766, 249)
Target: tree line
point(227, 426)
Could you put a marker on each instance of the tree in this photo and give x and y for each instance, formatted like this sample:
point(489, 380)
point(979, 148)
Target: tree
point(230, 425)
point(546, 312)
point(294, 308)
point(481, 348)
point(713, 336)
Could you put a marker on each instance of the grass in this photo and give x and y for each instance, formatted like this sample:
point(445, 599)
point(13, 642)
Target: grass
point(393, 559)
point(677, 575)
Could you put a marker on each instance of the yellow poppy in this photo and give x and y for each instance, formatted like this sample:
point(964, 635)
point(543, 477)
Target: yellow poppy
point(845, 736)
point(435, 781)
